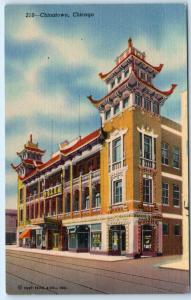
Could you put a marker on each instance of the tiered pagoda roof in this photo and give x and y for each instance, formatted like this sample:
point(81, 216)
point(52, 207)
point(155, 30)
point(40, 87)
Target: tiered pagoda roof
point(132, 57)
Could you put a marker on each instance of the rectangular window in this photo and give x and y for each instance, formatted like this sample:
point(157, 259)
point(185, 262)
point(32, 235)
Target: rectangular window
point(176, 157)
point(147, 104)
point(165, 193)
point(177, 229)
point(96, 240)
point(107, 114)
point(125, 102)
point(126, 72)
point(116, 108)
point(142, 75)
point(138, 99)
point(117, 191)
point(165, 228)
point(155, 107)
point(147, 190)
point(148, 147)
point(118, 79)
point(116, 150)
point(112, 84)
point(176, 195)
point(164, 153)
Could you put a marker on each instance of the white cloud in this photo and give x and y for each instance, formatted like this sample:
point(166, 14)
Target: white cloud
point(170, 53)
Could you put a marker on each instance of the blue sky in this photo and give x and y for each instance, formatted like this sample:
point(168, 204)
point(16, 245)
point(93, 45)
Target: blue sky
point(50, 62)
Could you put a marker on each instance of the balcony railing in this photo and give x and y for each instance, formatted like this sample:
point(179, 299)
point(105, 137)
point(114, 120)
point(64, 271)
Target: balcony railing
point(147, 163)
point(96, 174)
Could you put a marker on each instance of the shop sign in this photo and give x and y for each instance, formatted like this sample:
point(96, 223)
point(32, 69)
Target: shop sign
point(52, 191)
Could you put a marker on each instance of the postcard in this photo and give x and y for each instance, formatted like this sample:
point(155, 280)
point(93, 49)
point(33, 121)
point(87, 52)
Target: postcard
point(96, 149)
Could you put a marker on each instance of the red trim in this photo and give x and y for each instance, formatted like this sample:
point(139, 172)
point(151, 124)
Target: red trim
point(92, 136)
point(164, 93)
point(49, 162)
point(156, 68)
point(34, 149)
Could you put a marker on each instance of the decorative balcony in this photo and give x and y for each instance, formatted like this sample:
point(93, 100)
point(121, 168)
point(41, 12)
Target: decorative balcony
point(147, 163)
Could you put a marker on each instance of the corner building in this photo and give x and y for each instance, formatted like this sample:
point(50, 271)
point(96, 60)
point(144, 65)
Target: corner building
point(117, 190)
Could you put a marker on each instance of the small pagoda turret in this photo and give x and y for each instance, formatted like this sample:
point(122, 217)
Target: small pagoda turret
point(130, 83)
point(30, 156)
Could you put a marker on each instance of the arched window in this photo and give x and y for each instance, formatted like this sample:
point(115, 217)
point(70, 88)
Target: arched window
point(96, 196)
point(86, 199)
point(67, 203)
point(76, 201)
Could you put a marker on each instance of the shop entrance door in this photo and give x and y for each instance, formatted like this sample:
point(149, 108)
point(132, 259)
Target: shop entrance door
point(117, 240)
point(146, 239)
point(83, 238)
point(55, 241)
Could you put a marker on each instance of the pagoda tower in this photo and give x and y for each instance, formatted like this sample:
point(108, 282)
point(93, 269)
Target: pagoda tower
point(128, 83)
point(30, 156)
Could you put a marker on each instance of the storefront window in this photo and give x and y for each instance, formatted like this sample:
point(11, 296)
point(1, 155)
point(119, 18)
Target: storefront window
point(96, 240)
point(72, 240)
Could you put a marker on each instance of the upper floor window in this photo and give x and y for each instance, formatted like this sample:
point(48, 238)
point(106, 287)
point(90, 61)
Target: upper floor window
point(147, 147)
point(143, 75)
point(165, 228)
point(147, 104)
point(125, 102)
point(116, 108)
point(138, 99)
point(118, 79)
point(148, 79)
point(164, 153)
point(147, 150)
point(107, 114)
point(112, 84)
point(176, 195)
point(165, 193)
point(117, 191)
point(176, 157)
point(155, 107)
point(176, 229)
point(116, 150)
point(147, 190)
point(126, 72)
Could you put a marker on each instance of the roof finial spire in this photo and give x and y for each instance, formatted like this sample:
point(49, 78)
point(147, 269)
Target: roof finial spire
point(130, 43)
point(31, 137)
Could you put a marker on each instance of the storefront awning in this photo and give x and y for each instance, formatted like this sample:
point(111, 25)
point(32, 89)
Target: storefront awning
point(25, 234)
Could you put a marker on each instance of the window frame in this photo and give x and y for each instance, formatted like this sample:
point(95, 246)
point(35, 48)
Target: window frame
point(176, 155)
point(119, 194)
point(177, 192)
point(116, 108)
point(150, 187)
point(179, 231)
point(165, 233)
point(138, 99)
point(165, 158)
point(165, 196)
point(114, 155)
point(108, 114)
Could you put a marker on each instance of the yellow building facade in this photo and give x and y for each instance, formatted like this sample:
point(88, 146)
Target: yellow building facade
point(117, 190)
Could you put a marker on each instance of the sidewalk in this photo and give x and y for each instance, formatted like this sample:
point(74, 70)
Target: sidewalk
point(69, 254)
point(181, 263)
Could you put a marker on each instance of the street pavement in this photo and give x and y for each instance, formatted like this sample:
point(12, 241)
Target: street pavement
point(40, 273)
